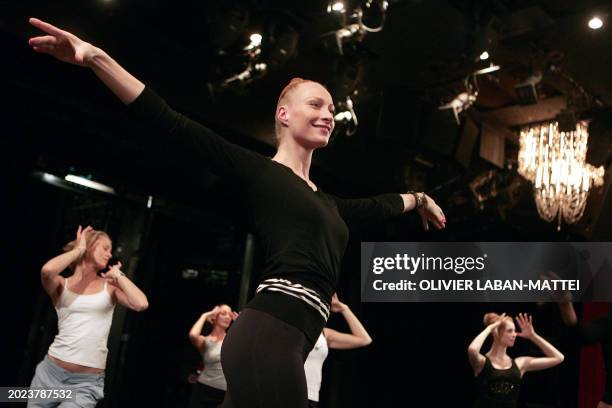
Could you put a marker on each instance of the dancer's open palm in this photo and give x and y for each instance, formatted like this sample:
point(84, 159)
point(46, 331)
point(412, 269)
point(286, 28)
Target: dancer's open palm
point(525, 322)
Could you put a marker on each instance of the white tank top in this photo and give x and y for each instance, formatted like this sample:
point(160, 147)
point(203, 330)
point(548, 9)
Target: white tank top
point(313, 367)
point(83, 323)
point(212, 375)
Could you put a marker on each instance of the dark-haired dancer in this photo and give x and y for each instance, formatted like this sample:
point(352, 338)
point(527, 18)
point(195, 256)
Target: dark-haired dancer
point(303, 231)
point(209, 390)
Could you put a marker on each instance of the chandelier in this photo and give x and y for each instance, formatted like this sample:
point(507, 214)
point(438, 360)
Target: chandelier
point(554, 161)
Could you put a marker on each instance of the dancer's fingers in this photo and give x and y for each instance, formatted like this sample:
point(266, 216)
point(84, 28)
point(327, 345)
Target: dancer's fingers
point(42, 41)
point(46, 27)
point(436, 224)
point(425, 224)
point(44, 50)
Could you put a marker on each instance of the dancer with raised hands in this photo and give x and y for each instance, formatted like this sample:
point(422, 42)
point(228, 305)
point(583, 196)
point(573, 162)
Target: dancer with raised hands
point(332, 339)
point(209, 390)
point(498, 375)
point(84, 303)
point(303, 230)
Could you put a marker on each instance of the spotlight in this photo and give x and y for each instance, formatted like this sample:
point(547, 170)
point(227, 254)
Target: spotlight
point(460, 103)
point(252, 72)
point(595, 23)
point(345, 33)
point(255, 39)
point(344, 116)
point(487, 70)
point(347, 116)
point(338, 7)
point(355, 28)
point(484, 56)
point(89, 183)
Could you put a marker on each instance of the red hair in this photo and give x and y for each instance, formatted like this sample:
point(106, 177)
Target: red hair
point(290, 87)
point(287, 90)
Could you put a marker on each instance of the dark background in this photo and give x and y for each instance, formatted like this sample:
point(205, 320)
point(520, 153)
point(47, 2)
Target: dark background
point(59, 119)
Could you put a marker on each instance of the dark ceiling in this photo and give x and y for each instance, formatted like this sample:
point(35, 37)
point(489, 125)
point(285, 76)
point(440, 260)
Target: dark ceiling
point(418, 61)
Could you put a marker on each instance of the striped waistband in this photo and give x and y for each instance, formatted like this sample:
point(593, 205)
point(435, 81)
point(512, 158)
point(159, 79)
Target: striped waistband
point(309, 296)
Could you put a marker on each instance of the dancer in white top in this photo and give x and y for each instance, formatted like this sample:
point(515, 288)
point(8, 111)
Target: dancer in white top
point(211, 386)
point(332, 339)
point(84, 303)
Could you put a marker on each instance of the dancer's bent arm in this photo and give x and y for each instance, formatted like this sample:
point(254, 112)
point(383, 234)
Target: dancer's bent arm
point(358, 337)
point(553, 356)
point(50, 272)
point(475, 357)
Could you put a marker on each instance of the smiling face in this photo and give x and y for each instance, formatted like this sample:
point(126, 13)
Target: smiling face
point(305, 112)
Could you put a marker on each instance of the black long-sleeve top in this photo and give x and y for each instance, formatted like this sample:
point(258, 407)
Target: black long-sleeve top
point(303, 232)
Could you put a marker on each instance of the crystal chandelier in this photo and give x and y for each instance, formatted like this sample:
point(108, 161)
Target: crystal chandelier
point(554, 161)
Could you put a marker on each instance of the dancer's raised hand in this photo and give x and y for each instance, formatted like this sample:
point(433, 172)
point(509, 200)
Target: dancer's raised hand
point(525, 322)
point(81, 239)
point(61, 44)
point(337, 306)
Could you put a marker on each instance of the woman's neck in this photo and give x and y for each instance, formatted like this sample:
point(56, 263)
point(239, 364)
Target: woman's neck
point(294, 156)
point(498, 350)
point(218, 333)
point(85, 271)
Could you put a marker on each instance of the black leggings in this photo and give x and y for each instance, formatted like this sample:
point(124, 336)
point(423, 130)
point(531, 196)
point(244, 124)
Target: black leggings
point(263, 362)
point(203, 396)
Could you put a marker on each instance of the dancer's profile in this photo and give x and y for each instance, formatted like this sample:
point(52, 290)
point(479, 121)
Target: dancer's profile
point(498, 375)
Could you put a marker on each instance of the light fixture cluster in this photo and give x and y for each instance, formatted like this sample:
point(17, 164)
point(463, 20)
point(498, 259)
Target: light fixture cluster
point(354, 28)
point(464, 100)
point(254, 67)
point(555, 162)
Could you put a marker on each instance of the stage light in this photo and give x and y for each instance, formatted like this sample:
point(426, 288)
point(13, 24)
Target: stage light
point(347, 116)
point(343, 116)
point(595, 23)
point(338, 6)
point(460, 103)
point(354, 27)
point(487, 70)
point(255, 41)
point(484, 56)
point(89, 183)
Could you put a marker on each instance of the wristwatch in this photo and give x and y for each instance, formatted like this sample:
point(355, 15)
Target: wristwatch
point(419, 198)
